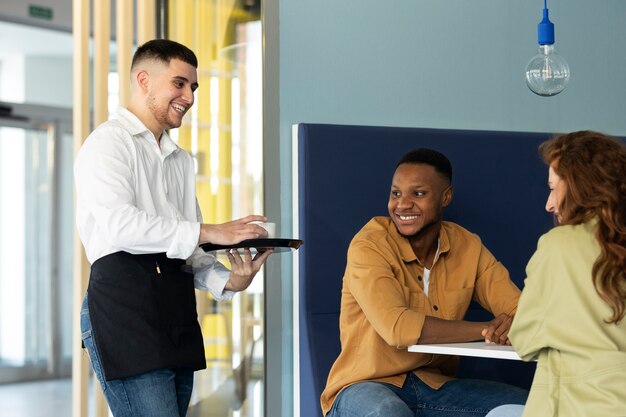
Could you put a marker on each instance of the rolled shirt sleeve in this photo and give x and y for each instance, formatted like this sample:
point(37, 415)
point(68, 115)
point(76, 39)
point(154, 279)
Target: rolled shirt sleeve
point(210, 275)
point(494, 289)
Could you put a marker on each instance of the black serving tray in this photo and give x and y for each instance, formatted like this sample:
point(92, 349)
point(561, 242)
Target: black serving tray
point(279, 245)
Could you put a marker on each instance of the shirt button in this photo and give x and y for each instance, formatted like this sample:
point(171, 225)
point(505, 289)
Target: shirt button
point(419, 277)
point(435, 308)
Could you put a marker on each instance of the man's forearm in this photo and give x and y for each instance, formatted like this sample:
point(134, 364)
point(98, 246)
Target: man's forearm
point(437, 330)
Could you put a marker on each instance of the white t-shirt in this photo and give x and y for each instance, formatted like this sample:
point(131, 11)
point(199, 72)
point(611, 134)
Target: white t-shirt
point(427, 271)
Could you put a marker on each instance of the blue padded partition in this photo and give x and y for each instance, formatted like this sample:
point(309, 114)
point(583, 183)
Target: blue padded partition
point(343, 179)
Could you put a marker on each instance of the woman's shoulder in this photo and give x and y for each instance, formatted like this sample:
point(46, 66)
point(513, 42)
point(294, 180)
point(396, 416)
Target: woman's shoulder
point(572, 242)
point(570, 234)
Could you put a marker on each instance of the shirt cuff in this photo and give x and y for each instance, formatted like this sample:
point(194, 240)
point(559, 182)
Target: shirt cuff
point(210, 275)
point(185, 241)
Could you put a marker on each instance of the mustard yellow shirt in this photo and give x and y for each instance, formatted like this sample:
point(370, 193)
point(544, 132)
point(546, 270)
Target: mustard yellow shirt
point(383, 305)
point(581, 360)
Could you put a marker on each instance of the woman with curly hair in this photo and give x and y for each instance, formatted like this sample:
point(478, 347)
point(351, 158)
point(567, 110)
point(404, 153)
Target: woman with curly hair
point(571, 312)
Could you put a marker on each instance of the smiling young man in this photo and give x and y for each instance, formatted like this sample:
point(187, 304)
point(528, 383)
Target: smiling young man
point(409, 279)
point(140, 224)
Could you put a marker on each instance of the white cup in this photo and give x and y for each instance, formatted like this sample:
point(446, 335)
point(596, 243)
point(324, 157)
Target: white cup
point(270, 227)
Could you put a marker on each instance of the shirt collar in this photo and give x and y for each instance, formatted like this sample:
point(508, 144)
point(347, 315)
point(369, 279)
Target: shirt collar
point(135, 127)
point(167, 145)
point(131, 123)
point(406, 251)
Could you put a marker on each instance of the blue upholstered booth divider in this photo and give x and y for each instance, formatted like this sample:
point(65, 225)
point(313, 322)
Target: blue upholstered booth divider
point(343, 179)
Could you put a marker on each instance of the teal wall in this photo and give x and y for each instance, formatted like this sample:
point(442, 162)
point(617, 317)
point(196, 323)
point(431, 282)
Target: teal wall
point(449, 64)
point(437, 64)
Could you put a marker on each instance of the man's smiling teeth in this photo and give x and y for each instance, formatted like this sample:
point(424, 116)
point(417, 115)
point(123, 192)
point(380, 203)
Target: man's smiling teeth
point(179, 107)
point(407, 217)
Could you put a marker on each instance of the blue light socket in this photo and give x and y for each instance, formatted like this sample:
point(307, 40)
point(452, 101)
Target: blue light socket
point(545, 30)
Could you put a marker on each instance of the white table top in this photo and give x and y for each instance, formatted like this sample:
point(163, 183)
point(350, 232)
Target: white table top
point(477, 349)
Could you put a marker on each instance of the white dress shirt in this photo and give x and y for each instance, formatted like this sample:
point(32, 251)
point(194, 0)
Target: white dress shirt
point(137, 195)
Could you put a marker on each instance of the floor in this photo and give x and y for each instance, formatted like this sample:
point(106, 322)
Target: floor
point(215, 395)
point(36, 399)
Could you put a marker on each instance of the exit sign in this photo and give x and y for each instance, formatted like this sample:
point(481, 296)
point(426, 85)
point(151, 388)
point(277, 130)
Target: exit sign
point(40, 12)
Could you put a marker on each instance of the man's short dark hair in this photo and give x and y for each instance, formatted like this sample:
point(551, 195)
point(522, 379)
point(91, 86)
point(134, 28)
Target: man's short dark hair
point(430, 157)
point(164, 50)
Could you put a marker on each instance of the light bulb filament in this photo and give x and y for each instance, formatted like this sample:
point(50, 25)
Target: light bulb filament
point(547, 70)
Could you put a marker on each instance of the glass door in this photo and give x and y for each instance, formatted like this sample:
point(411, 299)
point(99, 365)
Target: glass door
point(35, 242)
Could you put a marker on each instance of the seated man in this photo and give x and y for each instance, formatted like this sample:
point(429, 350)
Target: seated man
point(409, 279)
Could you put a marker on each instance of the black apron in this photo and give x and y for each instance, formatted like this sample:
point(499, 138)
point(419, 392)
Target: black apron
point(143, 315)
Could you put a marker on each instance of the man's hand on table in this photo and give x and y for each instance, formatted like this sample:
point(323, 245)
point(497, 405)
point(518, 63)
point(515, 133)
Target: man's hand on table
point(497, 330)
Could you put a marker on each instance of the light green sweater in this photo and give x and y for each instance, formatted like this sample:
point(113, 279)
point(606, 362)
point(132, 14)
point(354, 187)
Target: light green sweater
point(581, 368)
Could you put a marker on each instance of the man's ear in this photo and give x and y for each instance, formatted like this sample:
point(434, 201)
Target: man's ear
point(447, 196)
point(142, 79)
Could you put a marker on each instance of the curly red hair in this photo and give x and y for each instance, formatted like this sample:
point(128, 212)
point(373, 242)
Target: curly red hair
point(593, 166)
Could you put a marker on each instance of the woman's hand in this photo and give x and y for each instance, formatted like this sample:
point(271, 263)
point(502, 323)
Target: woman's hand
point(244, 268)
point(233, 232)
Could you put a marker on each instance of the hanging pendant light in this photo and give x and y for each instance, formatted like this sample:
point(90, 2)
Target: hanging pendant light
point(547, 73)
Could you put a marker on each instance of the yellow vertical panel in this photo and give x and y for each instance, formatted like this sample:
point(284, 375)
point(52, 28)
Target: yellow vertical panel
point(204, 47)
point(80, 114)
point(225, 168)
point(224, 26)
point(206, 197)
point(215, 331)
point(146, 20)
point(181, 31)
point(225, 37)
point(205, 32)
point(213, 325)
point(184, 135)
point(124, 37)
point(102, 58)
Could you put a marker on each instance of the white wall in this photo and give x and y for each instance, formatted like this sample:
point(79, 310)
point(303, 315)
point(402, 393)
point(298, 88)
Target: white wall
point(12, 79)
point(44, 80)
point(49, 80)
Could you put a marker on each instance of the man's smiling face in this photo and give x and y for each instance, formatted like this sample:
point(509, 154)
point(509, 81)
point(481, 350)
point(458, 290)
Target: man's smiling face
point(171, 92)
point(417, 198)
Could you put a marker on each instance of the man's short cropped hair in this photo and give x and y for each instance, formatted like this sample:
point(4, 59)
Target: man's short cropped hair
point(430, 157)
point(164, 50)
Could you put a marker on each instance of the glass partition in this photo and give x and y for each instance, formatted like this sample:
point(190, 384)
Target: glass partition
point(35, 312)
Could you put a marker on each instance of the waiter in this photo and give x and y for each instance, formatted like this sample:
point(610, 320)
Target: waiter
point(140, 224)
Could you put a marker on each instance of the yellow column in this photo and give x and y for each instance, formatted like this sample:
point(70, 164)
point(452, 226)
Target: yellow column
point(225, 169)
point(102, 58)
point(205, 49)
point(146, 20)
point(124, 31)
point(225, 37)
point(80, 364)
point(181, 30)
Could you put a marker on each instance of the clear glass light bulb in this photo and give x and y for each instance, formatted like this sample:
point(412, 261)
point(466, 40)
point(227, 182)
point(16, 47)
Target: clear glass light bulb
point(547, 73)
